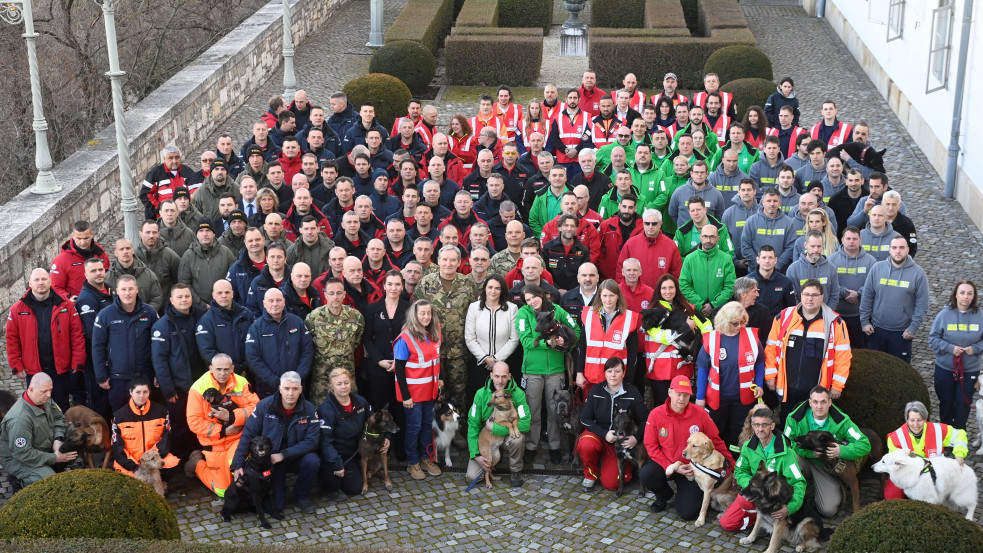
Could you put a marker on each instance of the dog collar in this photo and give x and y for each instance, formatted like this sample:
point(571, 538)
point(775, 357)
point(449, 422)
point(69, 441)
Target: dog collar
point(367, 433)
point(929, 469)
point(863, 153)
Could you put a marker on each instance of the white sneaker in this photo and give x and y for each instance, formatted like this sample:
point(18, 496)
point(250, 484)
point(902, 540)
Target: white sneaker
point(588, 484)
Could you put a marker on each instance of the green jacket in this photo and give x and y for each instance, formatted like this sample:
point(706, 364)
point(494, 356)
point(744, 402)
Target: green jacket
point(611, 201)
point(853, 443)
point(748, 155)
point(713, 141)
point(647, 183)
point(544, 208)
point(28, 434)
point(707, 276)
point(604, 155)
point(781, 458)
point(481, 412)
point(541, 359)
point(687, 237)
point(669, 183)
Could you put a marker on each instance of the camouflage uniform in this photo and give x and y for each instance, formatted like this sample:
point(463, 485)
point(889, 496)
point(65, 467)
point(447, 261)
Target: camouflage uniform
point(335, 340)
point(501, 263)
point(431, 270)
point(451, 309)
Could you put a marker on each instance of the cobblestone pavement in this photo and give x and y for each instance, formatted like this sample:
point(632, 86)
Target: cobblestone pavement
point(550, 513)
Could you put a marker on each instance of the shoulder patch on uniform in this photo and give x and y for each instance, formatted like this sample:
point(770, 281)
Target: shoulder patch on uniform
point(20, 442)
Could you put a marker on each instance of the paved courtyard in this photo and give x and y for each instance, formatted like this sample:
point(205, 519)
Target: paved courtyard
point(550, 513)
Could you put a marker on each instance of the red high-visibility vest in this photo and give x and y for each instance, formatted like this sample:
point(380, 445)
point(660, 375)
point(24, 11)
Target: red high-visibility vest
point(934, 433)
point(422, 368)
point(842, 134)
point(511, 118)
point(721, 128)
point(663, 366)
point(747, 356)
point(571, 133)
point(726, 99)
point(796, 133)
point(602, 132)
point(542, 127)
point(605, 344)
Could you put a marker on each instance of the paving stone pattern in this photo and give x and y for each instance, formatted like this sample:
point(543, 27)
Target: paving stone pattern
point(550, 513)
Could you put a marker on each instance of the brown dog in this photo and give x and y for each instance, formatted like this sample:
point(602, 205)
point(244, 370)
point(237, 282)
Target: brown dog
point(378, 426)
point(87, 433)
point(708, 463)
point(847, 471)
point(490, 445)
point(149, 471)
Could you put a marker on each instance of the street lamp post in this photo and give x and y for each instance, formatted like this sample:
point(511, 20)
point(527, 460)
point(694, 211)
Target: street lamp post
point(376, 38)
point(129, 203)
point(289, 79)
point(14, 13)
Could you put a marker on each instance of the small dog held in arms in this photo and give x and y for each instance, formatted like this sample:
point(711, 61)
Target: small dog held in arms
point(220, 402)
point(769, 491)
point(624, 427)
point(939, 480)
point(490, 445)
point(687, 342)
point(370, 447)
point(847, 471)
point(861, 153)
point(446, 422)
point(711, 473)
point(550, 329)
point(149, 471)
point(255, 484)
point(87, 433)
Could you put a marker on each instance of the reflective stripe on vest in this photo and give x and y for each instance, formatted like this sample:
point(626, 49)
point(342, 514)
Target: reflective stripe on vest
point(599, 348)
point(422, 370)
point(723, 123)
point(835, 139)
point(747, 352)
point(934, 439)
point(826, 375)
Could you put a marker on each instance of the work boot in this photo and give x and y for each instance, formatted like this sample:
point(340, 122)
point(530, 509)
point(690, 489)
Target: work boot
point(306, 506)
point(661, 502)
point(416, 472)
point(529, 456)
point(556, 456)
point(516, 479)
point(192, 464)
point(588, 484)
point(431, 468)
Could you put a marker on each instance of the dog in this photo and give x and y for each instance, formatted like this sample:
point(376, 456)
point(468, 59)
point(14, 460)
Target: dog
point(686, 342)
point(490, 445)
point(567, 407)
point(87, 433)
point(710, 472)
point(221, 402)
point(446, 422)
point(255, 484)
point(624, 427)
point(769, 491)
point(746, 432)
point(550, 329)
point(979, 425)
point(370, 447)
point(939, 480)
point(847, 471)
point(861, 153)
point(7, 400)
point(149, 471)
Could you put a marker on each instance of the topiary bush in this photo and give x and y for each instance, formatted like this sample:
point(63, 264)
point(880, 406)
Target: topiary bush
point(487, 56)
point(526, 13)
point(409, 61)
point(906, 525)
point(749, 92)
point(878, 388)
point(90, 503)
point(424, 21)
point(740, 61)
point(388, 94)
point(618, 14)
point(89, 545)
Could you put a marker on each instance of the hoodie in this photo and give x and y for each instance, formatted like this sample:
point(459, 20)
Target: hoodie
point(679, 201)
point(764, 174)
point(823, 271)
point(206, 198)
point(895, 298)
point(851, 272)
point(878, 244)
point(735, 218)
point(778, 232)
point(728, 185)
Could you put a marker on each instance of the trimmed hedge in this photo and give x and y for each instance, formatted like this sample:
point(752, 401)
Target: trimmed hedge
point(423, 21)
point(493, 56)
point(664, 14)
point(408, 61)
point(88, 503)
point(526, 13)
point(741, 61)
point(618, 14)
point(906, 525)
point(388, 94)
point(749, 92)
point(720, 14)
point(156, 546)
point(478, 13)
point(879, 387)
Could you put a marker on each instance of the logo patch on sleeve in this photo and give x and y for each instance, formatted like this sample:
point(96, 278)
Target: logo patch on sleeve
point(20, 442)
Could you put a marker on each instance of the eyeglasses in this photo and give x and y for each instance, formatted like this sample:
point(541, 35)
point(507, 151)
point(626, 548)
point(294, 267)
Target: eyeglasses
point(762, 424)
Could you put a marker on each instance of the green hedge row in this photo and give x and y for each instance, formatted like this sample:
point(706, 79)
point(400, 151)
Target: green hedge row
point(476, 56)
point(617, 14)
point(478, 13)
point(424, 21)
point(664, 14)
point(720, 14)
point(650, 54)
point(151, 546)
point(526, 13)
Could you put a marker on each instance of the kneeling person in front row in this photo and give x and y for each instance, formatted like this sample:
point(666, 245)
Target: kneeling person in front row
point(480, 417)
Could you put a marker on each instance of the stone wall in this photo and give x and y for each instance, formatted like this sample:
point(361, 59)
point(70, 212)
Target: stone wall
point(184, 111)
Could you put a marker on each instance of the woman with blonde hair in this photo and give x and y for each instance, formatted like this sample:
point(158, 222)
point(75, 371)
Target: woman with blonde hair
point(417, 355)
point(817, 219)
point(343, 416)
point(268, 203)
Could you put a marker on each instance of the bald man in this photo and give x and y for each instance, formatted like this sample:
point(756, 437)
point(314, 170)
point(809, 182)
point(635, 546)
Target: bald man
point(45, 337)
point(359, 291)
point(277, 342)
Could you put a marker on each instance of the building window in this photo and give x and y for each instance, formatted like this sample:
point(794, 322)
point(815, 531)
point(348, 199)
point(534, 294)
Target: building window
point(940, 49)
point(895, 20)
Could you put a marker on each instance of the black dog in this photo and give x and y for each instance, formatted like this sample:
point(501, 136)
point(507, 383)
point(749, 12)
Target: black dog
point(221, 402)
point(623, 428)
point(256, 482)
point(687, 342)
point(862, 154)
point(377, 428)
point(7, 400)
point(567, 406)
point(549, 329)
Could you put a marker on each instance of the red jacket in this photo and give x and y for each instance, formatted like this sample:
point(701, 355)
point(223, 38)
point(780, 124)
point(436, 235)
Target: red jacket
point(68, 268)
point(666, 432)
point(514, 277)
point(291, 166)
point(587, 235)
point(658, 257)
point(591, 101)
point(637, 299)
point(67, 338)
point(466, 149)
point(292, 221)
point(611, 243)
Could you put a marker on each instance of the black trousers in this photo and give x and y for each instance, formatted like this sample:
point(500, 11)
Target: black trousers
point(350, 483)
point(689, 496)
point(729, 418)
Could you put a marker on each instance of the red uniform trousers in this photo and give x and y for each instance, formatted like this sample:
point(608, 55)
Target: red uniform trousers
point(739, 516)
point(599, 460)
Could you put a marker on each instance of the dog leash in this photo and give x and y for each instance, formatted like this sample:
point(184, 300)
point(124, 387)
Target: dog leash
point(474, 482)
point(928, 468)
point(754, 387)
point(367, 433)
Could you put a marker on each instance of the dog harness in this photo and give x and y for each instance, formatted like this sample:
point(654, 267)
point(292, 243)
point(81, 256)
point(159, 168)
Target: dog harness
point(929, 469)
point(719, 476)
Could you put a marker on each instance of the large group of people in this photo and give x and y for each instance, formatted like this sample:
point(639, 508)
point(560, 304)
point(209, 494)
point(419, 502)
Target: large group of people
point(331, 268)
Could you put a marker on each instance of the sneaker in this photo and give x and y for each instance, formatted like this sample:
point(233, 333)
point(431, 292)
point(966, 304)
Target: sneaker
point(429, 466)
point(556, 457)
point(588, 484)
point(192, 464)
point(336, 496)
point(529, 456)
point(416, 472)
point(306, 506)
point(516, 479)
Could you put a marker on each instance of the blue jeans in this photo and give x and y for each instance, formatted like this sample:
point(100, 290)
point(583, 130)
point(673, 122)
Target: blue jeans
point(954, 399)
point(419, 435)
point(892, 342)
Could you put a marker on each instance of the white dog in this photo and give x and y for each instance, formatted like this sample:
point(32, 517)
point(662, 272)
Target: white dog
point(939, 480)
point(979, 426)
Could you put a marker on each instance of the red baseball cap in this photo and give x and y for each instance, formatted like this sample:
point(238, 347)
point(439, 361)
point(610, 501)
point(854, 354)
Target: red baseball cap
point(681, 385)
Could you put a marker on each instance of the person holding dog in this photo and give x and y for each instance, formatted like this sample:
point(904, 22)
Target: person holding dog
point(596, 444)
point(343, 416)
point(292, 424)
point(778, 455)
point(667, 430)
point(480, 417)
point(418, 383)
point(139, 427)
point(925, 439)
point(819, 413)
